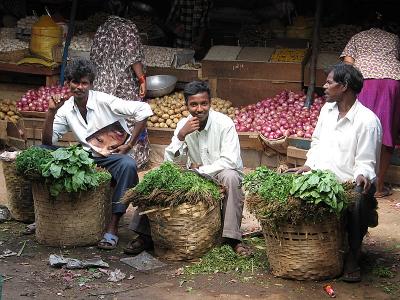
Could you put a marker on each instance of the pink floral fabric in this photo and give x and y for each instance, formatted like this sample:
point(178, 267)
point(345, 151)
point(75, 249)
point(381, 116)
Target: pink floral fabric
point(376, 53)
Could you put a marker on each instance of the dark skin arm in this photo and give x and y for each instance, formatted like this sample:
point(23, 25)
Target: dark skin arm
point(138, 69)
point(364, 182)
point(125, 148)
point(47, 132)
point(191, 125)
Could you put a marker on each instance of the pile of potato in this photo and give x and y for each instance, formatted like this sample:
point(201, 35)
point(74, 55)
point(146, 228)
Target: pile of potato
point(170, 109)
point(8, 111)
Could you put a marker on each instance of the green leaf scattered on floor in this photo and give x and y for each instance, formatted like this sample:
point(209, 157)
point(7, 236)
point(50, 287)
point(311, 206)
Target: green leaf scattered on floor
point(224, 260)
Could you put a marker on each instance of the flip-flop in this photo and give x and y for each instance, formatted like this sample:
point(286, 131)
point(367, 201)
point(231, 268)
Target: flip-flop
point(352, 276)
point(29, 229)
point(386, 192)
point(108, 242)
point(138, 245)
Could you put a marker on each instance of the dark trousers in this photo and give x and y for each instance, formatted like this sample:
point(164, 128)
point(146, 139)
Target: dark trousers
point(359, 217)
point(123, 171)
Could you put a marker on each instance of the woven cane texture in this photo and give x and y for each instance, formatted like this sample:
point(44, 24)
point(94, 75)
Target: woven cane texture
point(185, 232)
point(306, 252)
point(20, 202)
point(71, 219)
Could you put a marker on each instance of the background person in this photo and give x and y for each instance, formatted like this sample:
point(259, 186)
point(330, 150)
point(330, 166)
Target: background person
point(375, 52)
point(117, 53)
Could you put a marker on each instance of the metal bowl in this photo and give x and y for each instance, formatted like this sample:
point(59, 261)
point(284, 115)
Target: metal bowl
point(160, 85)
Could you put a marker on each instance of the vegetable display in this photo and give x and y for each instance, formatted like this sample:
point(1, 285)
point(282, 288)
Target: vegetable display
point(38, 100)
point(288, 198)
point(168, 185)
point(8, 111)
point(288, 55)
point(282, 115)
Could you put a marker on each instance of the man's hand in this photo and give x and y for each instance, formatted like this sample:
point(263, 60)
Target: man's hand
point(195, 166)
point(298, 170)
point(364, 182)
point(191, 125)
point(123, 149)
point(56, 102)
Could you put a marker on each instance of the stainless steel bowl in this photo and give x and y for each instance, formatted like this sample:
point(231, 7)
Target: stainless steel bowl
point(160, 85)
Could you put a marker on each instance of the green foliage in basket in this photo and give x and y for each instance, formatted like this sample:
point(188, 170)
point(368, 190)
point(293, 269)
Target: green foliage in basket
point(28, 162)
point(320, 187)
point(169, 185)
point(72, 170)
point(284, 198)
point(268, 184)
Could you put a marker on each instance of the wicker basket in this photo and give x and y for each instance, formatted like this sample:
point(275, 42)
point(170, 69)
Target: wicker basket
point(20, 202)
point(303, 252)
point(185, 232)
point(71, 219)
point(278, 145)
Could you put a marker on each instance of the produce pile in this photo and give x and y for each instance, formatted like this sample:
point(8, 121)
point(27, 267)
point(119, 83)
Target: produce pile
point(335, 38)
point(252, 35)
point(8, 111)
point(38, 100)
point(81, 42)
point(91, 23)
point(288, 55)
point(282, 115)
point(63, 170)
point(12, 44)
point(168, 185)
point(24, 25)
point(170, 109)
point(290, 198)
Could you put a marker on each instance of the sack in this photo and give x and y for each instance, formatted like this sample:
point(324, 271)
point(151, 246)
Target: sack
point(45, 35)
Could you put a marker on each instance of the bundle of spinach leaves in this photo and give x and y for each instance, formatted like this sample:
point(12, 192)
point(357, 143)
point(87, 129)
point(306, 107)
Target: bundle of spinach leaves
point(320, 187)
point(168, 185)
point(72, 170)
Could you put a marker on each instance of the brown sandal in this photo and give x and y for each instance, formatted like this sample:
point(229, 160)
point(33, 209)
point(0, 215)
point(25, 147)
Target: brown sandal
point(386, 192)
point(138, 245)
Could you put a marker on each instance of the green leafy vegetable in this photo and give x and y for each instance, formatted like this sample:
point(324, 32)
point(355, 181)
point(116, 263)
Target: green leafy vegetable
point(28, 162)
point(72, 170)
point(320, 187)
point(169, 185)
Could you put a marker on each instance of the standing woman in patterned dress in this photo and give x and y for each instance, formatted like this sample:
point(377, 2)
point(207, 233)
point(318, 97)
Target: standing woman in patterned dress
point(375, 52)
point(118, 55)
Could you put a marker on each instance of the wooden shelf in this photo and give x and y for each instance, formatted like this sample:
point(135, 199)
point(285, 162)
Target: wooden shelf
point(51, 74)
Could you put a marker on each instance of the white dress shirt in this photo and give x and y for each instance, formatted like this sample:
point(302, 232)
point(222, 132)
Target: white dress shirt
point(102, 110)
point(215, 148)
point(348, 147)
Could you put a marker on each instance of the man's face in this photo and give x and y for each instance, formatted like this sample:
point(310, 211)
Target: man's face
point(80, 89)
point(333, 90)
point(199, 106)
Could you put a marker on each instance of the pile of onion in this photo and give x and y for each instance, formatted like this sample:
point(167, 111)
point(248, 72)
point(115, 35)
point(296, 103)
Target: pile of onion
point(38, 100)
point(282, 115)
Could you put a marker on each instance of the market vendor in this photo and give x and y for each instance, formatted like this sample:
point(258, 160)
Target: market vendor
point(347, 141)
point(212, 145)
point(87, 112)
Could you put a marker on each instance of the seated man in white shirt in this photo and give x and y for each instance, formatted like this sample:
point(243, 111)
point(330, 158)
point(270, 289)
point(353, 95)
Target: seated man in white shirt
point(213, 148)
point(85, 113)
point(347, 141)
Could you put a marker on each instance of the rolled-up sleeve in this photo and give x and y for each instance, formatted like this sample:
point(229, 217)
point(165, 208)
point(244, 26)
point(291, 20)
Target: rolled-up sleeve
point(60, 127)
point(176, 144)
point(312, 154)
point(134, 109)
point(368, 152)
